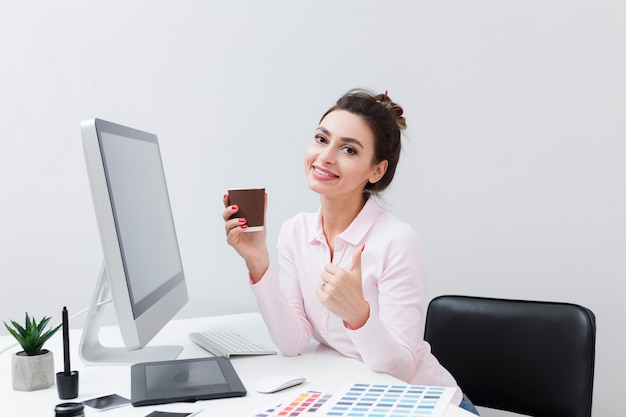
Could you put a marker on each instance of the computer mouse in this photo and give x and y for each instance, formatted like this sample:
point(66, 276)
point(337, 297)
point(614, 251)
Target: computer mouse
point(278, 382)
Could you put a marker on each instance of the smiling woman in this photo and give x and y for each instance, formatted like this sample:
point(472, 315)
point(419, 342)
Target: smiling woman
point(340, 160)
point(385, 121)
point(351, 274)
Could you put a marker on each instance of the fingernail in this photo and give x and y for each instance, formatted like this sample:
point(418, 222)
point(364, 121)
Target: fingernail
point(245, 226)
point(234, 207)
point(242, 220)
point(225, 195)
point(362, 248)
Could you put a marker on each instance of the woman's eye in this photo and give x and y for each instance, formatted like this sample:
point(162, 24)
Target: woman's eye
point(320, 139)
point(349, 150)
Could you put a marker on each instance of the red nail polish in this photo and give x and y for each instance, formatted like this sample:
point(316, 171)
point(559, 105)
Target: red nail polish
point(234, 207)
point(362, 248)
point(242, 220)
point(245, 226)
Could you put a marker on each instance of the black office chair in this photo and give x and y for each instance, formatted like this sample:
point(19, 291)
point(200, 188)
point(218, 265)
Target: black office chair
point(528, 357)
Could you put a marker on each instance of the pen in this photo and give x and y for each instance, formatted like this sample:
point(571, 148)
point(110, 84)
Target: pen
point(67, 380)
point(66, 342)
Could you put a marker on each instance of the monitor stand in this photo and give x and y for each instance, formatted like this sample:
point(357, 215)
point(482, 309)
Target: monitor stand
point(92, 352)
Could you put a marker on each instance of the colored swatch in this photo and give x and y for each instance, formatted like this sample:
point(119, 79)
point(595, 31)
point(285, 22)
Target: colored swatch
point(307, 402)
point(376, 400)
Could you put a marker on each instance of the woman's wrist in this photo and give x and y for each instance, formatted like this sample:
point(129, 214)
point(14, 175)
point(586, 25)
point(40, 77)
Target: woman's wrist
point(256, 270)
point(359, 322)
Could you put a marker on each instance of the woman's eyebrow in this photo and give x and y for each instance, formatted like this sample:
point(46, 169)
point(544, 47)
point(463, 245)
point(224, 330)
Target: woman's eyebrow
point(349, 140)
point(352, 140)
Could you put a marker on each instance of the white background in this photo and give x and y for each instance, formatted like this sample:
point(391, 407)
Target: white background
point(513, 170)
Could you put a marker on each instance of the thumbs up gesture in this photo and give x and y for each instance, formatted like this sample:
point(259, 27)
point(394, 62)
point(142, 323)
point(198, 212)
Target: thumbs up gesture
point(341, 292)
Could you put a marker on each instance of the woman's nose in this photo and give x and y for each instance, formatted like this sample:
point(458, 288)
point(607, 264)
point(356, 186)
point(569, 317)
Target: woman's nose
point(327, 155)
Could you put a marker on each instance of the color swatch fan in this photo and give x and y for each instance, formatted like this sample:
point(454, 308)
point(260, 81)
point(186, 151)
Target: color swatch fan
point(369, 400)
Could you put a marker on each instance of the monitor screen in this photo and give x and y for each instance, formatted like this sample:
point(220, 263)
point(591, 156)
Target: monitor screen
point(142, 215)
point(142, 267)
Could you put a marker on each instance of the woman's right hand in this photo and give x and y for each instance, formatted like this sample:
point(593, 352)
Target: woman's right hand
point(251, 246)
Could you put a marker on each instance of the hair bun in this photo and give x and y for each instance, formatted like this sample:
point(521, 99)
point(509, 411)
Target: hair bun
point(397, 110)
point(394, 108)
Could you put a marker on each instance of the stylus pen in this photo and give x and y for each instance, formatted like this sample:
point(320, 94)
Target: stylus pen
point(66, 342)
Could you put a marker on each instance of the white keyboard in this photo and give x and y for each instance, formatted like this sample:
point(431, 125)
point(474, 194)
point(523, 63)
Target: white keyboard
point(228, 344)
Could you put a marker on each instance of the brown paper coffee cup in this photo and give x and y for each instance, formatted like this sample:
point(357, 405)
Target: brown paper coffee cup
point(251, 202)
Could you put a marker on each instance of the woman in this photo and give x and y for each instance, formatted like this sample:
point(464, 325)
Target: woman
point(351, 275)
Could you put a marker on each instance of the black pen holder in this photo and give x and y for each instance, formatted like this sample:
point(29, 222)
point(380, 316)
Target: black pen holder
point(67, 385)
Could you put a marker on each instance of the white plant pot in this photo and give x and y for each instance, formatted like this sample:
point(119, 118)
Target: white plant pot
point(32, 373)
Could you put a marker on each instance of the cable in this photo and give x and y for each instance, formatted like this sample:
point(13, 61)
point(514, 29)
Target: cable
point(84, 310)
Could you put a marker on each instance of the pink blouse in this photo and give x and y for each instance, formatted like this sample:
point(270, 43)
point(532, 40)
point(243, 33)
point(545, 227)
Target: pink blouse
point(393, 277)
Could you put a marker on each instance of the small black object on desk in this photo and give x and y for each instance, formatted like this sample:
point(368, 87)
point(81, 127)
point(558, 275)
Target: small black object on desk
point(67, 381)
point(69, 410)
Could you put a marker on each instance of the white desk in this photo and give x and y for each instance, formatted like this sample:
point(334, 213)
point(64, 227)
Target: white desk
point(325, 370)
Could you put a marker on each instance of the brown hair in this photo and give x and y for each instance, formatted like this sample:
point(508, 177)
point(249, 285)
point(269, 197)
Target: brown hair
point(384, 117)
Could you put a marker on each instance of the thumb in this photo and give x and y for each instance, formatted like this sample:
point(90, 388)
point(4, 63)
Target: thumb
point(356, 259)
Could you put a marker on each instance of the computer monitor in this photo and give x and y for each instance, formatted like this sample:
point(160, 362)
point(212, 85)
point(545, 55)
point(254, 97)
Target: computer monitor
point(142, 269)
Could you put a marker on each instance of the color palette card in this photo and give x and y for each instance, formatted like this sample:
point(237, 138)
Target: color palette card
point(303, 404)
point(378, 400)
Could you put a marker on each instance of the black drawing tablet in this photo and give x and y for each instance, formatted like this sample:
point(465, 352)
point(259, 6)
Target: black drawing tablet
point(183, 380)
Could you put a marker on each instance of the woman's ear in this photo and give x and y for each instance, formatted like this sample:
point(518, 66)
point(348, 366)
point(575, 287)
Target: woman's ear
point(378, 172)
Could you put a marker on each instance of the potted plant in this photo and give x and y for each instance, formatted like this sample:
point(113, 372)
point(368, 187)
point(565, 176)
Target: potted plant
point(33, 367)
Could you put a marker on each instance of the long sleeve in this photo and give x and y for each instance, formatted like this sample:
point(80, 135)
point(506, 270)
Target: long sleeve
point(290, 331)
point(393, 279)
point(392, 339)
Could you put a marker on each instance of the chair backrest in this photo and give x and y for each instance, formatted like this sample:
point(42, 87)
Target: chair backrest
point(529, 357)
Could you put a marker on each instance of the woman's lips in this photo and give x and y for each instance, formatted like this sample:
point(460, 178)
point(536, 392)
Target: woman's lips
point(322, 174)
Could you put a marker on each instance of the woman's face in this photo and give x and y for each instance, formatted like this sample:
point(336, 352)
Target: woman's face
point(339, 160)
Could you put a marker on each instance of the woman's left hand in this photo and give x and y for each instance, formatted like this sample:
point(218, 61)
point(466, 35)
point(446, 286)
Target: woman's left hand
point(341, 292)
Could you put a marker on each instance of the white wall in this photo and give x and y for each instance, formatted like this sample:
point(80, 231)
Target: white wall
point(513, 170)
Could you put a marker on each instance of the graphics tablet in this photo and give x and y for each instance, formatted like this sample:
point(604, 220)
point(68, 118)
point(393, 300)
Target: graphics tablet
point(184, 380)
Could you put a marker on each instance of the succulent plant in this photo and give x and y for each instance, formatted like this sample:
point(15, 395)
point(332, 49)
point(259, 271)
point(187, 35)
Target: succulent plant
point(32, 335)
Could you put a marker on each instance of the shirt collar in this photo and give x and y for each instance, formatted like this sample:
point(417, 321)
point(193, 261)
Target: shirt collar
point(355, 233)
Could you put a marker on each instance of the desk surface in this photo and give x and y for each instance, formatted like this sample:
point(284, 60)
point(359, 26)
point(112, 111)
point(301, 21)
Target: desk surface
point(325, 370)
